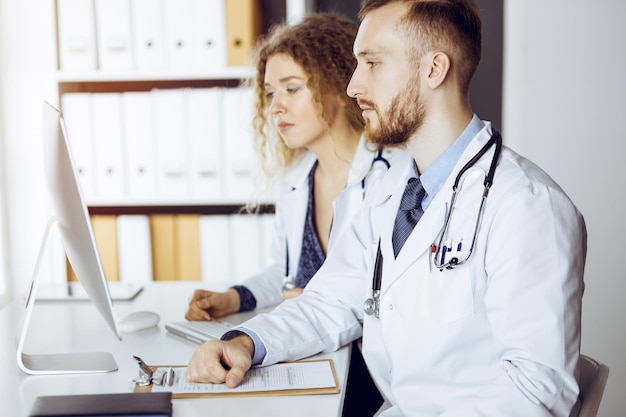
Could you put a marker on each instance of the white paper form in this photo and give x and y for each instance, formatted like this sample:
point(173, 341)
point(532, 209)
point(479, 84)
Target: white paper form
point(304, 375)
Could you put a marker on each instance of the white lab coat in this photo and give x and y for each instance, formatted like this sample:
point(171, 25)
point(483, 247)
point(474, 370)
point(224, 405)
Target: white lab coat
point(291, 208)
point(497, 337)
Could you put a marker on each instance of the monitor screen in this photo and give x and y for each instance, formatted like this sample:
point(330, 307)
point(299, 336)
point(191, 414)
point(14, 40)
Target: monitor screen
point(70, 215)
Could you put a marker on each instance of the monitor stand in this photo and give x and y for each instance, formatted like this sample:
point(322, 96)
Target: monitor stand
point(56, 363)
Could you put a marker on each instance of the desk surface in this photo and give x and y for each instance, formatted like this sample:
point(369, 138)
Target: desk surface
point(76, 326)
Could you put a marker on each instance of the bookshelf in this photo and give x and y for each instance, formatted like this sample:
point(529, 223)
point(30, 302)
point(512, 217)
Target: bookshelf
point(108, 58)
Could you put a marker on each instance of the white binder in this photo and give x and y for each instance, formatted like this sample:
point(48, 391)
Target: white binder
point(134, 248)
point(77, 114)
point(170, 145)
point(214, 248)
point(205, 150)
point(138, 148)
point(267, 226)
point(113, 35)
point(177, 33)
point(147, 35)
point(245, 250)
point(208, 24)
point(240, 157)
point(107, 128)
point(77, 35)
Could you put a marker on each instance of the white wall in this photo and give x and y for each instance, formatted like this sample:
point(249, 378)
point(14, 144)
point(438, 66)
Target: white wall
point(26, 61)
point(565, 105)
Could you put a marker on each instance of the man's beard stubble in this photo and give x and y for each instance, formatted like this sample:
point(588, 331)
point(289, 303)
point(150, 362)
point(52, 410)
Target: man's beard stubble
point(403, 119)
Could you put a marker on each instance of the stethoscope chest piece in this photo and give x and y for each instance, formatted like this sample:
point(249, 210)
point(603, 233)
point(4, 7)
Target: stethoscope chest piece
point(371, 307)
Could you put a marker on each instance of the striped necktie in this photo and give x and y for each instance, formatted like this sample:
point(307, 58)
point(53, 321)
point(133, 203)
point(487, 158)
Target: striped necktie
point(409, 213)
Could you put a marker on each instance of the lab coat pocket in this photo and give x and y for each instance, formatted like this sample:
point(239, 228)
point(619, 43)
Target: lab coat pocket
point(449, 295)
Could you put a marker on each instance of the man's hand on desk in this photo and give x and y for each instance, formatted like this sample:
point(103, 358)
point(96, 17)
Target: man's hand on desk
point(219, 361)
point(209, 305)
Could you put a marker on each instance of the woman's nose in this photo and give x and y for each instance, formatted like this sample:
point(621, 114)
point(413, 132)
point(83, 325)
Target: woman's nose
point(276, 104)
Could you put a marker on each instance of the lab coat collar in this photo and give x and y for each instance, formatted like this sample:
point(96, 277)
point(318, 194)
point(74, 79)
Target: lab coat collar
point(297, 174)
point(362, 161)
point(393, 181)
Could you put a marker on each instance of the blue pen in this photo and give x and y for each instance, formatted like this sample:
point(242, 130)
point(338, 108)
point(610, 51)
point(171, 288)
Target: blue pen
point(443, 253)
point(458, 247)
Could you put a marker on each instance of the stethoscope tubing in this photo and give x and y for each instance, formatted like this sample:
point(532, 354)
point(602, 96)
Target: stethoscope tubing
point(372, 304)
point(496, 139)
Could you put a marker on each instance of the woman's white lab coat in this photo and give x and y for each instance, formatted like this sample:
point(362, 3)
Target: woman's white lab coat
point(497, 337)
point(291, 207)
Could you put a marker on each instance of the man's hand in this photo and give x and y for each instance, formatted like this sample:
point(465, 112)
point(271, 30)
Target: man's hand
point(208, 305)
point(218, 361)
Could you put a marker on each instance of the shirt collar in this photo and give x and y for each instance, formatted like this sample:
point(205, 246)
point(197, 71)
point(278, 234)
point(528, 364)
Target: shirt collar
point(435, 176)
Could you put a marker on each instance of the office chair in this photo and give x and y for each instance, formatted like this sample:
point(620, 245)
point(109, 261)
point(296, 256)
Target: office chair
point(593, 376)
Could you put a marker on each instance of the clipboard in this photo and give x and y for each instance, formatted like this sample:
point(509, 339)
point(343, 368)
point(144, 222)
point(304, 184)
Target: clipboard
point(331, 385)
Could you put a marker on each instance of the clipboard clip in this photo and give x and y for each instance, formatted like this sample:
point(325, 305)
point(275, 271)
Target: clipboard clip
point(145, 373)
point(147, 376)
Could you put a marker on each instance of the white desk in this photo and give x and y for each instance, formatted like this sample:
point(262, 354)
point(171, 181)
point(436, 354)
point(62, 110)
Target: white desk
point(76, 326)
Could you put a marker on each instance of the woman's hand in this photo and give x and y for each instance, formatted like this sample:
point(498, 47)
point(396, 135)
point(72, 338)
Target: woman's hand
point(209, 305)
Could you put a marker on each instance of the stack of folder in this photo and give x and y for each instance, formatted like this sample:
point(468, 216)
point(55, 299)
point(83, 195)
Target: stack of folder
point(136, 249)
point(163, 147)
point(175, 36)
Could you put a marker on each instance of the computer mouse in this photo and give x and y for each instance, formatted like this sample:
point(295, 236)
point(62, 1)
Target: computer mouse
point(138, 320)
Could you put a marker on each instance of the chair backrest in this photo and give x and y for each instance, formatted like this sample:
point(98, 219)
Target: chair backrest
point(593, 376)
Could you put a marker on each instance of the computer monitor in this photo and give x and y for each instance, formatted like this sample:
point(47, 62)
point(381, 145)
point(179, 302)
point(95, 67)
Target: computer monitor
point(71, 217)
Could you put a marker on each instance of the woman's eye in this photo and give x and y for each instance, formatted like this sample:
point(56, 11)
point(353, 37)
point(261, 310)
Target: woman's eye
point(292, 90)
point(371, 64)
point(269, 95)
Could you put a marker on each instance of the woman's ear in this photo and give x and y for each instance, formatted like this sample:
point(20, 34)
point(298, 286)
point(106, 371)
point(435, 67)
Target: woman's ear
point(439, 68)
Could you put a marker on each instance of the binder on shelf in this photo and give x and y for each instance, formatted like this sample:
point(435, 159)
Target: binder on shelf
point(187, 247)
point(245, 246)
point(77, 35)
point(205, 143)
point(215, 248)
point(244, 24)
point(240, 158)
point(208, 34)
point(134, 249)
point(113, 35)
point(77, 114)
point(105, 233)
point(107, 128)
point(147, 37)
point(267, 225)
point(138, 128)
point(171, 147)
point(162, 234)
point(178, 36)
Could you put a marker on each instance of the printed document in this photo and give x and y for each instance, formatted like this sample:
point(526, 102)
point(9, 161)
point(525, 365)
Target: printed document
point(302, 375)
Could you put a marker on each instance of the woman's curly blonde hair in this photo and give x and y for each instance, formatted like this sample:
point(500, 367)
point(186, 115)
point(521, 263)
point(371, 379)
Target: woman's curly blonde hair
point(322, 45)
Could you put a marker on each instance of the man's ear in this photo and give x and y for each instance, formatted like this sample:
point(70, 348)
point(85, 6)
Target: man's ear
point(439, 68)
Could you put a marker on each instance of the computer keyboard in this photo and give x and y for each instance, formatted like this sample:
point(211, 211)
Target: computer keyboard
point(199, 331)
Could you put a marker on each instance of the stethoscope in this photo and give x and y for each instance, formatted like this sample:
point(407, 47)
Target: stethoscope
point(289, 281)
point(380, 159)
point(372, 304)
